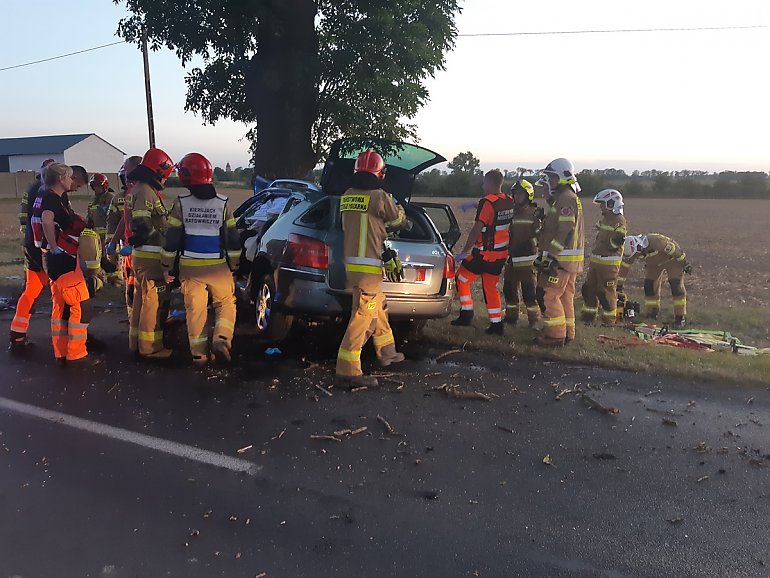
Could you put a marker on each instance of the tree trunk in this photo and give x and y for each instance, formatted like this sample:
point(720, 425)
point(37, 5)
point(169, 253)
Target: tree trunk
point(283, 87)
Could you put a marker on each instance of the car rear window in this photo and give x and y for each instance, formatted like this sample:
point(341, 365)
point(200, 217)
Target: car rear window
point(403, 156)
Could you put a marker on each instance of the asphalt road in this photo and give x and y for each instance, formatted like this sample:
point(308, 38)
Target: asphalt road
point(131, 470)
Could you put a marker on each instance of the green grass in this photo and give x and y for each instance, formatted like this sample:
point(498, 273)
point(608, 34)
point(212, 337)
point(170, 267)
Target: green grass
point(748, 324)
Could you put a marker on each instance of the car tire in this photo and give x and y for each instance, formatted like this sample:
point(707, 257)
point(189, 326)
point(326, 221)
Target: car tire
point(269, 323)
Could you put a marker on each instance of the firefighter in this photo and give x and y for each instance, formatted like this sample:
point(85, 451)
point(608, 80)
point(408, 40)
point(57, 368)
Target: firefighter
point(368, 212)
point(118, 230)
point(488, 240)
point(661, 255)
point(147, 220)
point(520, 270)
point(600, 286)
point(561, 256)
point(204, 244)
point(98, 216)
point(36, 277)
point(61, 228)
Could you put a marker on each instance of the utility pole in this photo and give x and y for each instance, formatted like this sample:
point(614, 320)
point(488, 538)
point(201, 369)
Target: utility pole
point(148, 90)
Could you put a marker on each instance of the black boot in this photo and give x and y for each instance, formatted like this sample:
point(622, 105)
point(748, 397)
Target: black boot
point(19, 344)
point(495, 329)
point(465, 318)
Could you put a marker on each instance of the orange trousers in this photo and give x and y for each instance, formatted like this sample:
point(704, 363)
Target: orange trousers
point(559, 295)
point(35, 282)
point(70, 316)
point(489, 282)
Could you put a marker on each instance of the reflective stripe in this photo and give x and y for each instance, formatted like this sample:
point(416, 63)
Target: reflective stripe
point(167, 254)
point(384, 339)
point(197, 340)
point(197, 255)
point(466, 299)
point(570, 321)
point(590, 309)
point(234, 254)
point(152, 336)
point(140, 213)
point(230, 222)
point(363, 234)
point(466, 307)
point(192, 262)
point(570, 258)
point(363, 261)
point(501, 227)
point(346, 355)
point(554, 321)
point(614, 260)
point(174, 222)
point(363, 269)
point(522, 221)
point(462, 279)
point(680, 301)
point(224, 323)
point(92, 264)
point(682, 258)
point(610, 313)
point(563, 219)
point(494, 310)
point(501, 245)
point(559, 246)
point(146, 255)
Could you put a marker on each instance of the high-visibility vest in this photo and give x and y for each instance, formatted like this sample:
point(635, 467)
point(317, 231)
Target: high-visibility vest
point(495, 236)
point(203, 220)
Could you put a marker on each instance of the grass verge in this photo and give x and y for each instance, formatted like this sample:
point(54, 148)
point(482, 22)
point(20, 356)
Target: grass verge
point(748, 324)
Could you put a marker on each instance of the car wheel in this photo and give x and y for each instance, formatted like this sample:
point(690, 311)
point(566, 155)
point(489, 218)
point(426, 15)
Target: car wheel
point(271, 324)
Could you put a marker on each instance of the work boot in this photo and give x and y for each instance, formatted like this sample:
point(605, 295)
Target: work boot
point(394, 358)
point(679, 322)
point(200, 362)
point(221, 351)
point(511, 315)
point(495, 329)
point(161, 355)
point(348, 382)
point(86, 362)
point(19, 344)
point(543, 341)
point(465, 318)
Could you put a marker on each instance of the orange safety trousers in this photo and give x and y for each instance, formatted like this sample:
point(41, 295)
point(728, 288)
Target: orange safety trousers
point(35, 282)
point(130, 280)
point(489, 283)
point(69, 322)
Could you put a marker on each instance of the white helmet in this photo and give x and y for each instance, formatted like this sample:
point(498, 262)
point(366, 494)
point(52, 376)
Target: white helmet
point(612, 199)
point(565, 170)
point(633, 243)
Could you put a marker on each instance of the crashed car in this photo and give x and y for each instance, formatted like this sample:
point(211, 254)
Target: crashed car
point(296, 267)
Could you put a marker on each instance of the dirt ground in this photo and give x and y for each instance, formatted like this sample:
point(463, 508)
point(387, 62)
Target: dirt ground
point(723, 240)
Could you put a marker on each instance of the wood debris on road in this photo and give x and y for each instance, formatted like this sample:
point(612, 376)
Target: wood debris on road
point(593, 404)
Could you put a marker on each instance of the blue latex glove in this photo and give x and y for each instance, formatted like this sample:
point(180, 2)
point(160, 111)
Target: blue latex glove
point(110, 249)
point(459, 258)
point(56, 251)
point(468, 206)
point(126, 250)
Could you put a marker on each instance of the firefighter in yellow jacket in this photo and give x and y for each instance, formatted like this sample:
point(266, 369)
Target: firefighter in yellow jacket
point(562, 246)
point(367, 213)
point(600, 287)
point(203, 240)
point(520, 268)
point(147, 218)
point(661, 255)
point(98, 217)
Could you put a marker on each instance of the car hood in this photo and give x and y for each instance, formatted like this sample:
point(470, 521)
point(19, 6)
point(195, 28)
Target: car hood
point(404, 161)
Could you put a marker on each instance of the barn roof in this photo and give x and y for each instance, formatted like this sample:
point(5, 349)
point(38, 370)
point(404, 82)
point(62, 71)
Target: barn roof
point(41, 145)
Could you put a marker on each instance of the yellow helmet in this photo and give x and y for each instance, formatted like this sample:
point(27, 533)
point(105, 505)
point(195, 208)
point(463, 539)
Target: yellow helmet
point(526, 186)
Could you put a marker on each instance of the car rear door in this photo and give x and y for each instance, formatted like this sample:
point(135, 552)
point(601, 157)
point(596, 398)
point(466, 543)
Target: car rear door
point(445, 221)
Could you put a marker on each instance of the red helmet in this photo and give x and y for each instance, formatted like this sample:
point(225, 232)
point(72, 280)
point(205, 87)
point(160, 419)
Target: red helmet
point(195, 169)
point(99, 179)
point(159, 163)
point(370, 162)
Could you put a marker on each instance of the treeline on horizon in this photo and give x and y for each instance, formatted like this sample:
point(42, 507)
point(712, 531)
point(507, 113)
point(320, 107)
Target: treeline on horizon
point(463, 179)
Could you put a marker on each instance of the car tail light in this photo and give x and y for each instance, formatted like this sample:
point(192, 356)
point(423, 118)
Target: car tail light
point(449, 267)
point(308, 252)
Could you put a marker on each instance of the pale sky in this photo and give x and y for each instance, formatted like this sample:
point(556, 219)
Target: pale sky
point(666, 100)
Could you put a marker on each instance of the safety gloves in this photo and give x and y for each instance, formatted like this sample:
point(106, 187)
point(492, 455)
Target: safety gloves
point(394, 270)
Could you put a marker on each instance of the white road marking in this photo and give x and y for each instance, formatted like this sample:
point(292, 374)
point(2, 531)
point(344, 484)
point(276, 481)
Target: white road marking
point(124, 435)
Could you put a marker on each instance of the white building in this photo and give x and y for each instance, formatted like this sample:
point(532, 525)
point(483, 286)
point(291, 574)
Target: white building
point(88, 150)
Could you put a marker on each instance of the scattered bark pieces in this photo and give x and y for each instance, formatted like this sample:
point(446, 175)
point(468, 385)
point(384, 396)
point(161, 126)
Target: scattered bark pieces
point(261, 575)
point(323, 389)
point(701, 448)
point(455, 392)
point(653, 392)
point(244, 449)
point(664, 412)
point(759, 462)
point(675, 520)
point(325, 437)
point(357, 389)
point(593, 404)
point(339, 435)
point(750, 401)
point(504, 428)
point(701, 479)
point(669, 422)
point(446, 353)
point(388, 428)
point(547, 460)
point(575, 389)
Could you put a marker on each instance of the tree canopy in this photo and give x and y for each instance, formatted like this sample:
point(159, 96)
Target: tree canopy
point(303, 72)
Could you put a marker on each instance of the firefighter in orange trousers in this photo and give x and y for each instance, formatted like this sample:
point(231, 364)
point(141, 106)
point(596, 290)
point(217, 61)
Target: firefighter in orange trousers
point(148, 221)
point(488, 240)
point(71, 311)
point(118, 230)
point(368, 212)
point(661, 255)
point(204, 244)
point(36, 277)
point(562, 246)
point(520, 269)
point(600, 286)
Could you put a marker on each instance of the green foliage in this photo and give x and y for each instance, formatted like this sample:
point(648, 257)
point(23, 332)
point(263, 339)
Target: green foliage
point(465, 163)
point(304, 71)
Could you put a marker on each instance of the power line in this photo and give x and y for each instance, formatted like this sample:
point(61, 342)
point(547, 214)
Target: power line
point(613, 31)
point(62, 56)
